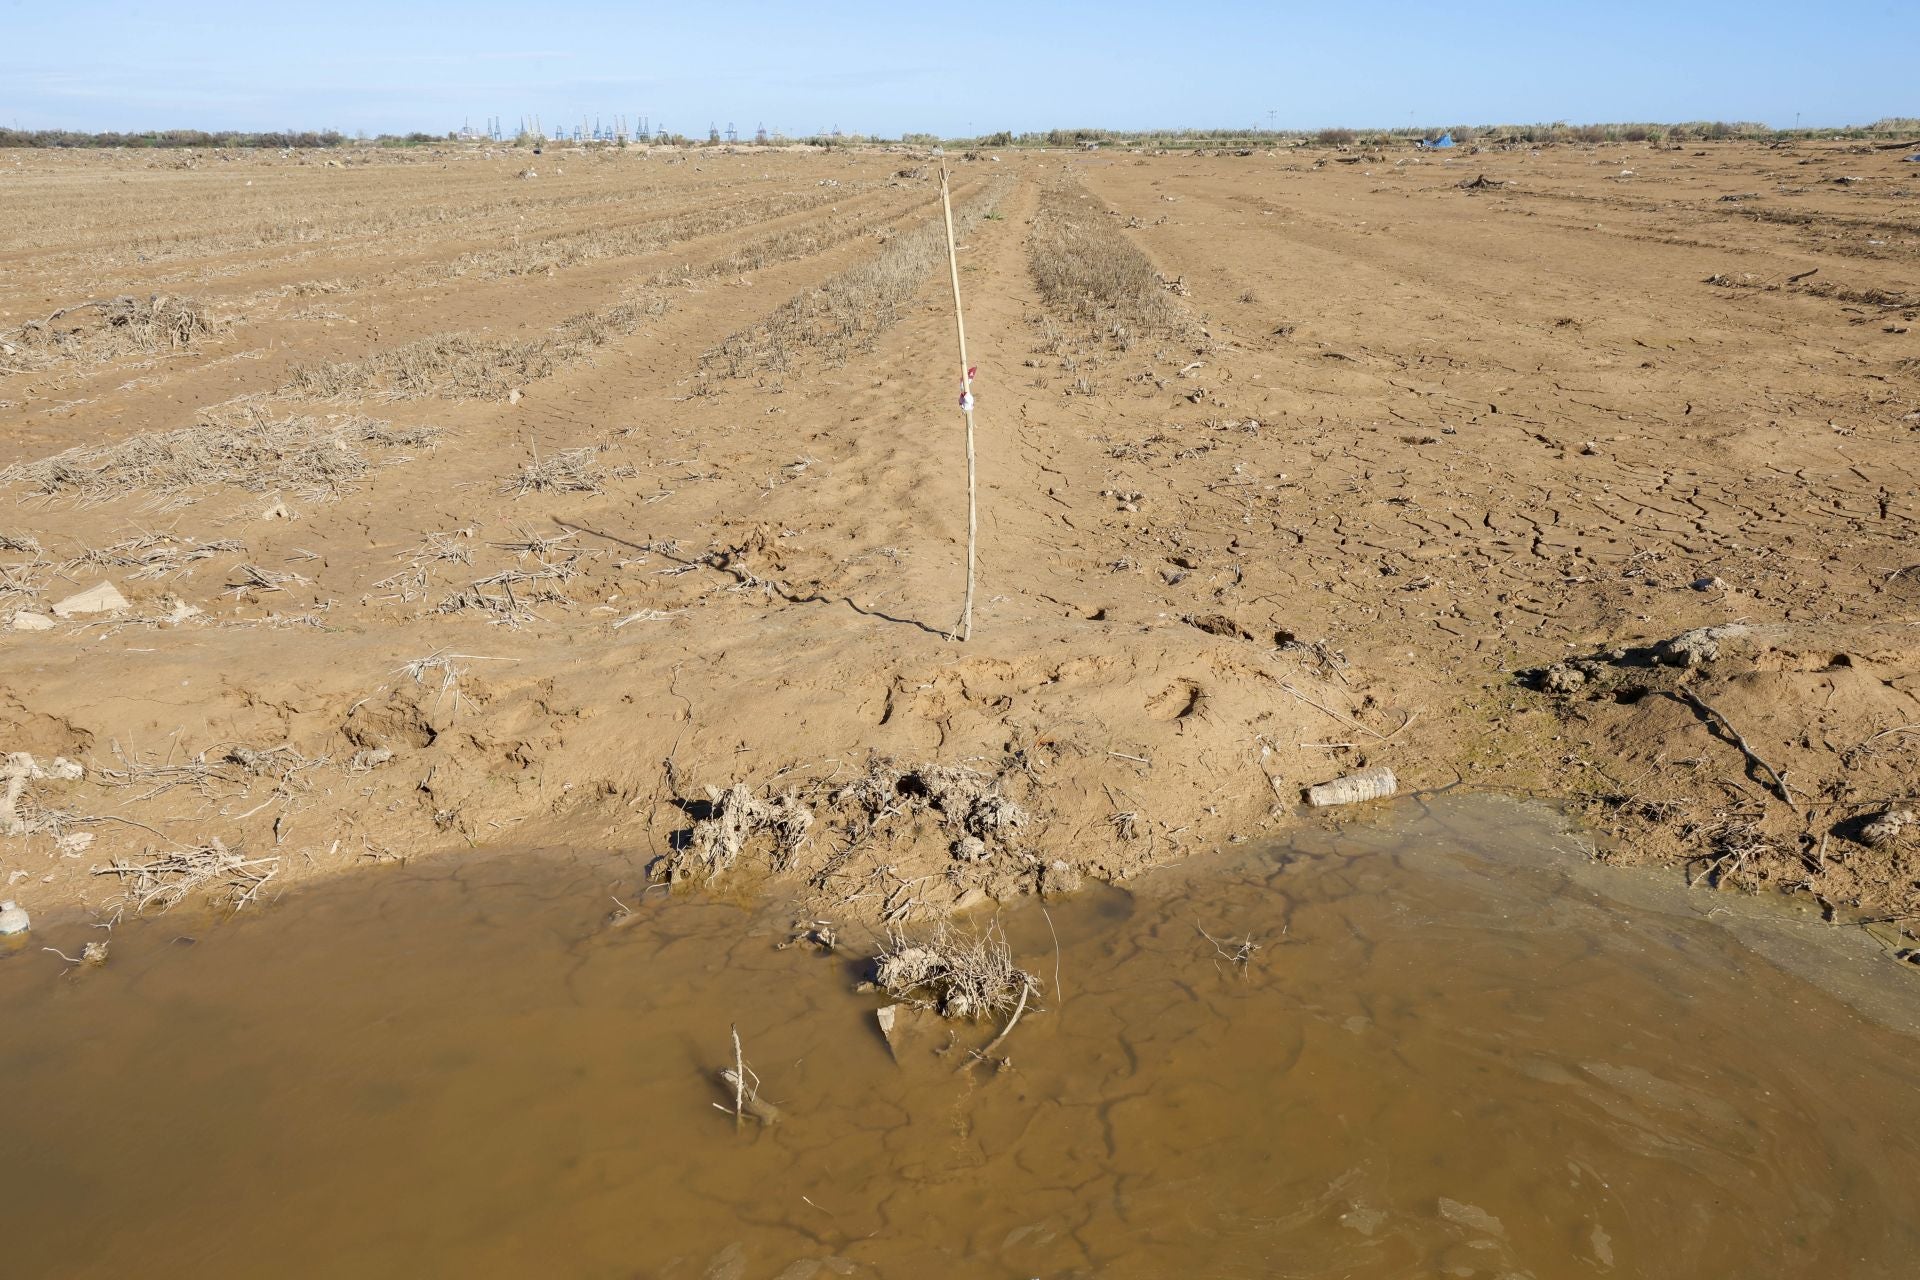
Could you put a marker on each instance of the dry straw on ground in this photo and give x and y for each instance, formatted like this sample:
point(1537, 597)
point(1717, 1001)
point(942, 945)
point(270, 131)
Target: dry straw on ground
point(789, 244)
point(24, 578)
point(1084, 267)
point(968, 807)
point(153, 555)
point(446, 670)
point(648, 235)
point(244, 448)
point(106, 329)
point(459, 366)
point(568, 471)
point(509, 596)
point(164, 881)
point(844, 315)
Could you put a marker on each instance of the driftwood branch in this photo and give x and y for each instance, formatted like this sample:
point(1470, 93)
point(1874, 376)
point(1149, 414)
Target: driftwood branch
point(1715, 715)
point(979, 1055)
point(1405, 720)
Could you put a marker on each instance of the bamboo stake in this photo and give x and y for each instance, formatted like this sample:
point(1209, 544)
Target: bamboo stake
point(739, 1076)
point(966, 407)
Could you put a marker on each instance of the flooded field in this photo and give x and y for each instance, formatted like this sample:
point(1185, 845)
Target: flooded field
point(1452, 1050)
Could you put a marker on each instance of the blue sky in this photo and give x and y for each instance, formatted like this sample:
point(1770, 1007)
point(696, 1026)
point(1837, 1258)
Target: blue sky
point(888, 68)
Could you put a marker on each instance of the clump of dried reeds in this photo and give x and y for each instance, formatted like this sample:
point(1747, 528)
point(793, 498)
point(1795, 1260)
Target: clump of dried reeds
point(154, 555)
point(454, 366)
point(164, 881)
point(961, 974)
point(448, 668)
point(245, 449)
point(218, 773)
point(105, 329)
point(448, 546)
point(252, 580)
point(568, 471)
point(509, 596)
point(1733, 845)
point(735, 817)
point(24, 578)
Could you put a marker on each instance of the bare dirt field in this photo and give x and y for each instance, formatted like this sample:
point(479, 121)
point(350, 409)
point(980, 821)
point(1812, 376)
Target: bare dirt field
point(485, 498)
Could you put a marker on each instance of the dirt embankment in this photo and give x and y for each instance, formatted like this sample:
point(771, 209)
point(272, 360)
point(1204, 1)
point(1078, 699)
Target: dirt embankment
point(1285, 471)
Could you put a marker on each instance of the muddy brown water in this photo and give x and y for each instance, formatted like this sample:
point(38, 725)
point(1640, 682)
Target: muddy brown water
point(1457, 1052)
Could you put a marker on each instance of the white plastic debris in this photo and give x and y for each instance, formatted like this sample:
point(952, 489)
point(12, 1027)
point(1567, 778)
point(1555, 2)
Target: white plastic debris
point(13, 918)
point(21, 764)
point(101, 598)
point(17, 768)
point(1376, 783)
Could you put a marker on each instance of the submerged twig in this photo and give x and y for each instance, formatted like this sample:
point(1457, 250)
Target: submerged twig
point(744, 1083)
point(1242, 953)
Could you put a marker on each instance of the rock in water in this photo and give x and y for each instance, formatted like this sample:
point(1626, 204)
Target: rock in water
point(728, 1264)
point(908, 1028)
point(1058, 879)
point(751, 1104)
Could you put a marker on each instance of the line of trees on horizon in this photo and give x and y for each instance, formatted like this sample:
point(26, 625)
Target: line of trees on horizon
point(1558, 131)
point(282, 139)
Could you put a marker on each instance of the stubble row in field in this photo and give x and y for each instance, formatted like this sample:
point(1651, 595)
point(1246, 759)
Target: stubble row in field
point(1289, 468)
